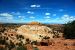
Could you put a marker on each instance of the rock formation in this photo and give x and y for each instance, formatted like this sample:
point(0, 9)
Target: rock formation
point(35, 32)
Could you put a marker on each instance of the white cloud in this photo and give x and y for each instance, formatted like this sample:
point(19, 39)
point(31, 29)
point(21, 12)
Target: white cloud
point(64, 19)
point(38, 6)
point(16, 13)
point(6, 15)
point(33, 6)
point(54, 21)
point(47, 13)
point(21, 17)
point(66, 15)
point(47, 17)
point(30, 12)
point(67, 18)
point(9, 18)
point(32, 17)
point(72, 18)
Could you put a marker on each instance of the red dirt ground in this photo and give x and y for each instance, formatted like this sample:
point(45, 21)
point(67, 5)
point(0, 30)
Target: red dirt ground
point(60, 44)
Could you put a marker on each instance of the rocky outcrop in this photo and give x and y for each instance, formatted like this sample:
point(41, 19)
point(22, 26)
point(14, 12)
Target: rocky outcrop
point(35, 32)
point(34, 23)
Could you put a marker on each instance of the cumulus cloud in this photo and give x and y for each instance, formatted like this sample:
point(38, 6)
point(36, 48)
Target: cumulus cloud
point(33, 6)
point(67, 18)
point(62, 20)
point(66, 15)
point(21, 16)
point(7, 15)
point(30, 12)
point(72, 18)
point(47, 13)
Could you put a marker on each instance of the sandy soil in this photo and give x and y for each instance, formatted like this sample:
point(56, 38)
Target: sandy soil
point(60, 44)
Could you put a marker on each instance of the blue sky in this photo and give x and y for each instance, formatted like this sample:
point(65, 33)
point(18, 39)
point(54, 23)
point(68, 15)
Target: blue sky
point(44, 11)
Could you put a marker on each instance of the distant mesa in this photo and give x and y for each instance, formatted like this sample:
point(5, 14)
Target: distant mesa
point(34, 23)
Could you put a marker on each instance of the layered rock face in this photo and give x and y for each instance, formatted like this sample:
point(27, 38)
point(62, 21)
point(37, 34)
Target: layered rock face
point(35, 32)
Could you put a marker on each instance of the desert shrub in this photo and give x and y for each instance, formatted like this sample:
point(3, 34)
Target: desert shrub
point(20, 36)
point(65, 44)
point(44, 44)
point(27, 41)
point(46, 37)
point(34, 42)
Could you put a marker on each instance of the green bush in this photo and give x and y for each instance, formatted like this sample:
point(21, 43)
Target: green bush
point(69, 30)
